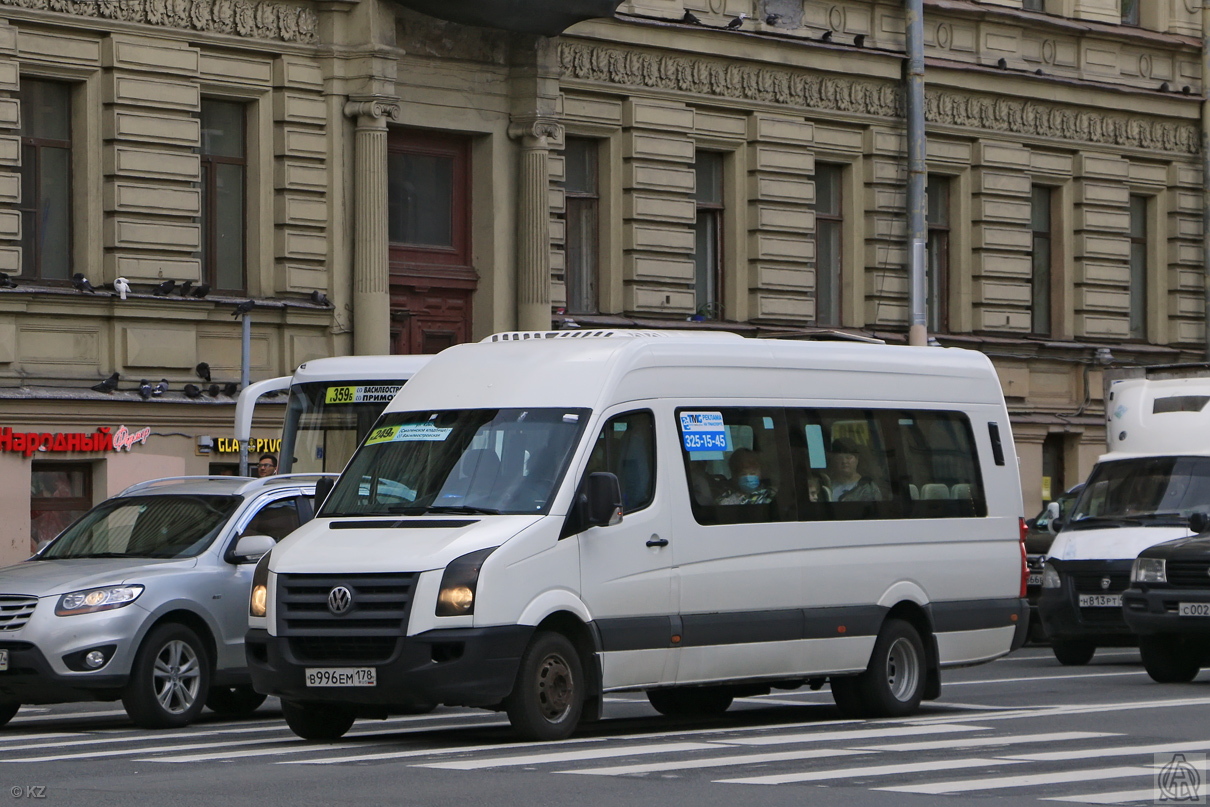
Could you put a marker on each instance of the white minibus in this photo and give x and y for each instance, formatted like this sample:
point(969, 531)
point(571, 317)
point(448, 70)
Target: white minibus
point(542, 518)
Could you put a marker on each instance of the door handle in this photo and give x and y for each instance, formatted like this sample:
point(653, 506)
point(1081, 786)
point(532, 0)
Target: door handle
point(656, 541)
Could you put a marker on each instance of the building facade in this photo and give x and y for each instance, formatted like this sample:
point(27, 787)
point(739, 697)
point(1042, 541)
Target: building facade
point(666, 167)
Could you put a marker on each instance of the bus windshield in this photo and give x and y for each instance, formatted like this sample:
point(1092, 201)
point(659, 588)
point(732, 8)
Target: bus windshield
point(485, 461)
point(326, 421)
point(1144, 491)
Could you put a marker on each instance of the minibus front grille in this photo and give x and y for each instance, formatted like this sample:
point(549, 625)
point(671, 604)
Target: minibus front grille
point(1093, 582)
point(1189, 573)
point(15, 611)
point(379, 604)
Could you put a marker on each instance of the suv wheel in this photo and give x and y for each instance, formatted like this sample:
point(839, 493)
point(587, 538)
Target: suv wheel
point(1168, 660)
point(169, 679)
point(234, 701)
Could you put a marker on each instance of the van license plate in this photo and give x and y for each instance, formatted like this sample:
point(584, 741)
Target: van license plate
point(1100, 600)
point(3, 659)
point(1188, 609)
point(342, 677)
point(1035, 580)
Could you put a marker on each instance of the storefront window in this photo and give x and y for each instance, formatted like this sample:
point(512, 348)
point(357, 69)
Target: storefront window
point(60, 492)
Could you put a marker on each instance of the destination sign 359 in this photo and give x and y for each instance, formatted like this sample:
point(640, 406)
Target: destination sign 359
point(364, 394)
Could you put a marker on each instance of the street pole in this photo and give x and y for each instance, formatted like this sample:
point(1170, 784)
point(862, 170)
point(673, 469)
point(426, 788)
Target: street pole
point(245, 377)
point(917, 174)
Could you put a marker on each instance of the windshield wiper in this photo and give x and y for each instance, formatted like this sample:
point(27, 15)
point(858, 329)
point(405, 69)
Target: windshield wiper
point(1166, 517)
point(1102, 521)
point(463, 508)
point(93, 555)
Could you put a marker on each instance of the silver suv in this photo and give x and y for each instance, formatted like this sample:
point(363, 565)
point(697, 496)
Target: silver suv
point(145, 599)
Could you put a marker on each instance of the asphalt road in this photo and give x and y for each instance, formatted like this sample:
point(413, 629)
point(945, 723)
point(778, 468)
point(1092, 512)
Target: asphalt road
point(1023, 730)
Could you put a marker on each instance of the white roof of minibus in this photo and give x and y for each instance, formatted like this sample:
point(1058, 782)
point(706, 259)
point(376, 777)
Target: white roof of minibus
point(359, 368)
point(621, 366)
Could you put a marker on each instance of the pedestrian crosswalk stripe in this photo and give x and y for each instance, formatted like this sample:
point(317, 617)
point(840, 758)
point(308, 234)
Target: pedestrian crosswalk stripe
point(1123, 751)
point(855, 734)
point(1120, 797)
point(566, 756)
point(952, 744)
point(718, 762)
point(1029, 780)
point(871, 770)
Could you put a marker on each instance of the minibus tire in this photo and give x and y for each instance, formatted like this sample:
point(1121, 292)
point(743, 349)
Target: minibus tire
point(234, 701)
point(548, 695)
point(893, 683)
point(7, 710)
point(1073, 652)
point(172, 665)
point(317, 721)
point(690, 701)
point(1168, 660)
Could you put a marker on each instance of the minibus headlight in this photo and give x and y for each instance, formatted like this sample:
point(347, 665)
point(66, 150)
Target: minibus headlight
point(93, 600)
point(457, 594)
point(1050, 577)
point(1149, 570)
point(258, 603)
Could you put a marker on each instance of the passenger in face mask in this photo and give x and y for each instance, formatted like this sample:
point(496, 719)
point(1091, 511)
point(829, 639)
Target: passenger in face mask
point(747, 484)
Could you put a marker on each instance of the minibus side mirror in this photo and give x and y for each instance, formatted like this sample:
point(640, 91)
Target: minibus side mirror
point(1053, 525)
point(604, 494)
point(1199, 522)
point(322, 488)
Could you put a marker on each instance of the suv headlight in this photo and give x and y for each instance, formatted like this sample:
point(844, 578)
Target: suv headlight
point(92, 600)
point(258, 602)
point(457, 595)
point(1149, 570)
point(1050, 577)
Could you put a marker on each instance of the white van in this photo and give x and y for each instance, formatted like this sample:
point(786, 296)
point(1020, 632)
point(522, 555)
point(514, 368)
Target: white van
point(542, 518)
point(1141, 493)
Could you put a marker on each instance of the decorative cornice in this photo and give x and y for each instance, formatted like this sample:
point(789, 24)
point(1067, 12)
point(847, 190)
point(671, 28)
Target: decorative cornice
point(374, 108)
point(255, 20)
point(542, 129)
point(801, 89)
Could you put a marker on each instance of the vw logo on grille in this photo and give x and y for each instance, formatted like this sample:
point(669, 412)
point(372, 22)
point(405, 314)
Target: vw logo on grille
point(340, 600)
point(1104, 585)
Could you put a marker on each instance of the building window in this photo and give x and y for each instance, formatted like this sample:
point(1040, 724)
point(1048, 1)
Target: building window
point(828, 256)
point(1041, 223)
point(708, 230)
point(582, 250)
point(1130, 12)
point(60, 492)
point(938, 218)
point(1138, 267)
point(428, 217)
point(46, 212)
point(224, 186)
point(1034, 5)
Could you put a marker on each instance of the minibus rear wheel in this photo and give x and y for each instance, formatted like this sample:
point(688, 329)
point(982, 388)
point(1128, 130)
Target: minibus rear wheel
point(548, 696)
point(893, 683)
point(317, 721)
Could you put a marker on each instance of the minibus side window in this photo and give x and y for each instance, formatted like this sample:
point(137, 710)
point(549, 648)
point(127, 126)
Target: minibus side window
point(841, 466)
point(736, 465)
point(625, 447)
point(941, 468)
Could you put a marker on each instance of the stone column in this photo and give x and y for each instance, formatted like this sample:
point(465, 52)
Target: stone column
point(371, 298)
point(533, 221)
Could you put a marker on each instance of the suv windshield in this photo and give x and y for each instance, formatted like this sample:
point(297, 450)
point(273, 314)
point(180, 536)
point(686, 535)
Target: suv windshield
point(1146, 491)
point(492, 461)
point(144, 527)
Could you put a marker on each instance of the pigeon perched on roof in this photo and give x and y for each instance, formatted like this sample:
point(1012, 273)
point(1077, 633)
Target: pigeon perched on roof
point(736, 23)
point(108, 385)
point(193, 391)
point(81, 283)
point(201, 291)
point(144, 389)
point(160, 388)
point(122, 286)
point(243, 308)
point(203, 371)
point(164, 289)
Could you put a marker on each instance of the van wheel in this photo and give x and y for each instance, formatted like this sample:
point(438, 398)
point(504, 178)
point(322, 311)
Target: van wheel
point(690, 701)
point(1168, 660)
point(893, 684)
point(1073, 653)
point(169, 678)
point(317, 721)
point(548, 696)
point(7, 710)
point(234, 701)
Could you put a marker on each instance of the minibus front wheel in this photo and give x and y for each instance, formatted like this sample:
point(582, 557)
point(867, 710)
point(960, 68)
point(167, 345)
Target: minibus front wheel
point(317, 721)
point(548, 696)
point(893, 683)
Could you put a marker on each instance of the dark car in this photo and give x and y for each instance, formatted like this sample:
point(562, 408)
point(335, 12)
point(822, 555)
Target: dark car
point(1038, 538)
point(1168, 605)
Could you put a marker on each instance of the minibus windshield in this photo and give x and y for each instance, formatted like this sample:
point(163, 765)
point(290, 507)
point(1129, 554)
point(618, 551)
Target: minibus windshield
point(1143, 491)
point(477, 461)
